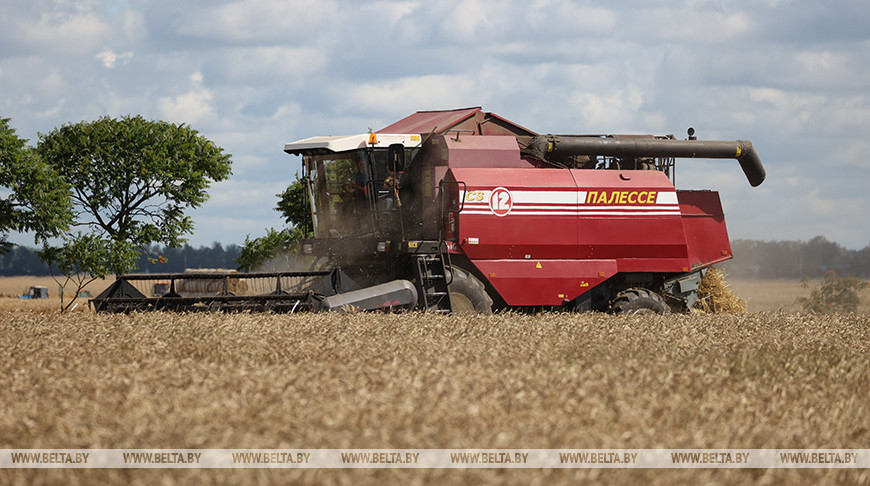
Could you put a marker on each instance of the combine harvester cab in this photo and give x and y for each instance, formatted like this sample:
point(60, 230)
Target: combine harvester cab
point(464, 211)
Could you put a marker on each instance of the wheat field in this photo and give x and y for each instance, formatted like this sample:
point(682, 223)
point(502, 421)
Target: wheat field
point(758, 380)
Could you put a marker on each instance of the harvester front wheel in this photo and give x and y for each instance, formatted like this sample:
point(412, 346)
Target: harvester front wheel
point(638, 301)
point(467, 294)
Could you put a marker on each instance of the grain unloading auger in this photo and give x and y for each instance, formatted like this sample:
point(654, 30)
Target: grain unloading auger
point(632, 148)
point(464, 211)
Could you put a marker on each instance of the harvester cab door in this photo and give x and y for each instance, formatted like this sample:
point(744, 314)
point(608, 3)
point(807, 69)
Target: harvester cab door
point(338, 185)
point(386, 169)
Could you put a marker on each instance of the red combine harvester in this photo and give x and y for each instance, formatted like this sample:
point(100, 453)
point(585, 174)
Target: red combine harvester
point(464, 211)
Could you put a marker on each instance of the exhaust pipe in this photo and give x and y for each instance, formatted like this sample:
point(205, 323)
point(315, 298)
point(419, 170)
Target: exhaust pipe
point(742, 150)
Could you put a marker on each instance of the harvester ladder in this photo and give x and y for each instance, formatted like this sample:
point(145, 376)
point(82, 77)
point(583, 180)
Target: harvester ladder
point(432, 283)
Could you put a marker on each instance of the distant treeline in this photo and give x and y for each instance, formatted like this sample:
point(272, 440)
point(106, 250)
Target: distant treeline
point(794, 259)
point(752, 259)
point(24, 261)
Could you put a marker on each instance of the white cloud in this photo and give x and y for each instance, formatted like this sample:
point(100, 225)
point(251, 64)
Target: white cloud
point(394, 12)
point(566, 18)
point(822, 206)
point(611, 110)
point(471, 20)
point(52, 111)
point(64, 32)
point(134, 27)
point(229, 193)
point(109, 58)
point(261, 20)
point(406, 95)
point(190, 107)
point(195, 105)
point(238, 208)
point(263, 66)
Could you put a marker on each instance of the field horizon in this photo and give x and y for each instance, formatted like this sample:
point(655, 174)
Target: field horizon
point(771, 295)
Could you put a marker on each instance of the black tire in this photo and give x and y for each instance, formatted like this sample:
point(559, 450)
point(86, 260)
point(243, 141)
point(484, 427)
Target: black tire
point(467, 294)
point(638, 301)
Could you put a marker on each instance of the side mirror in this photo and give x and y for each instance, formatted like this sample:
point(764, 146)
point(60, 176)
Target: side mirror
point(396, 157)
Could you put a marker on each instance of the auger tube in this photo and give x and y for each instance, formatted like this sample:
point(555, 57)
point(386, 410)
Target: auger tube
point(742, 150)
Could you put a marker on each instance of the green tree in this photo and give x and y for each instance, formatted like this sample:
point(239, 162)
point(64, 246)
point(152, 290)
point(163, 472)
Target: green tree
point(293, 205)
point(835, 294)
point(131, 181)
point(84, 258)
point(255, 252)
point(38, 198)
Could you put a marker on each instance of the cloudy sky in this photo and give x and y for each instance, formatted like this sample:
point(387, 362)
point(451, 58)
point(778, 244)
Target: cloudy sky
point(792, 77)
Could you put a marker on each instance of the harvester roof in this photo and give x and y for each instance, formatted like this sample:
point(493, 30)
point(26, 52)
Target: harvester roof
point(341, 143)
point(408, 130)
point(443, 121)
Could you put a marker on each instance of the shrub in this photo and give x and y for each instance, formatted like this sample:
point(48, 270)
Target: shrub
point(836, 294)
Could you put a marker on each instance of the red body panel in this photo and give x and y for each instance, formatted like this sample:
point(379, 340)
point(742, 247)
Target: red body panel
point(544, 282)
point(704, 224)
point(470, 151)
point(536, 197)
point(633, 217)
point(543, 236)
